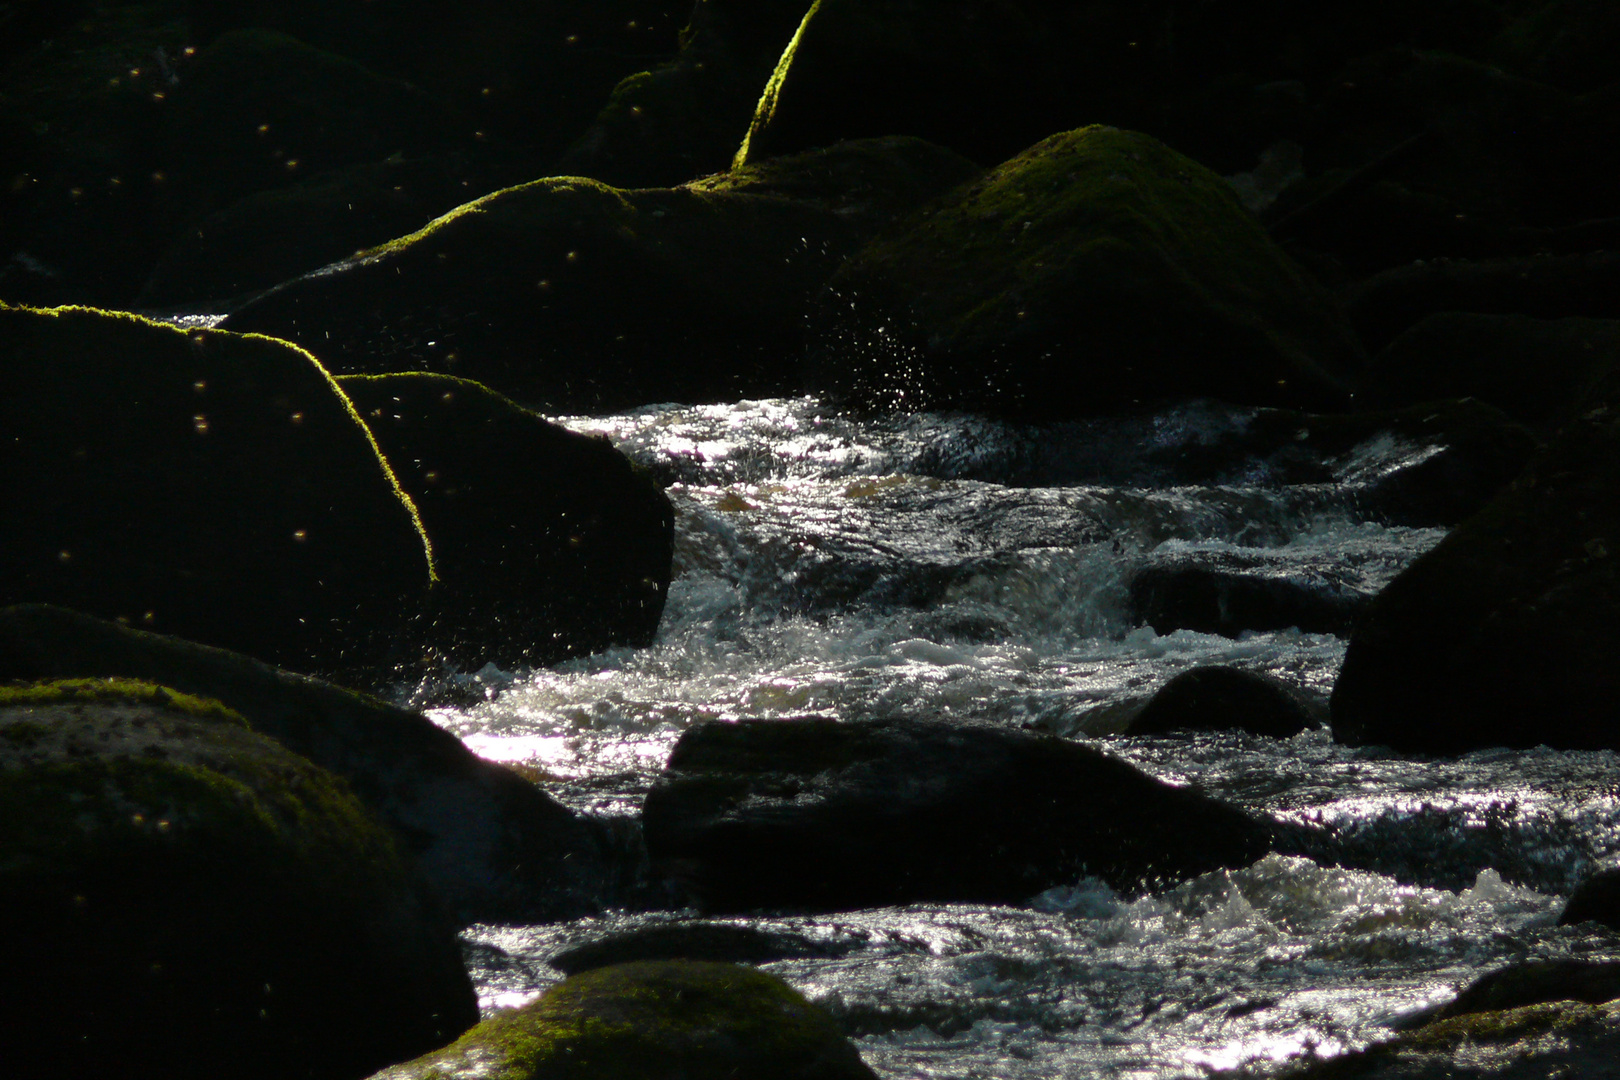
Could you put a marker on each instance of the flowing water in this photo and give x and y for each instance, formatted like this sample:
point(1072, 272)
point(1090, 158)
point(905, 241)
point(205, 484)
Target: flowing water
point(953, 567)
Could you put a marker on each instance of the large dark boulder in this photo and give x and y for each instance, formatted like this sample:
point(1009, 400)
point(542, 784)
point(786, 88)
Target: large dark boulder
point(819, 815)
point(1504, 634)
point(200, 483)
point(1596, 899)
point(489, 844)
point(654, 1020)
point(548, 543)
point(575, 296)
point(1096, 270)
point(1536, 370)
point(186, 898)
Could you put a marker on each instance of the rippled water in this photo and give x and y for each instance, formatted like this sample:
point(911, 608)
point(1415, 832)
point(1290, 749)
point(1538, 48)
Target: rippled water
point(961, 568)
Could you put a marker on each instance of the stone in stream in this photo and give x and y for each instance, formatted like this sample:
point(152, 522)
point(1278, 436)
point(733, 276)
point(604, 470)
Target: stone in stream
point(1547, 1018)
point(548, 543)
point(185, 898)
point(571, 295)
point(199, 483)
point(1505, 633)
point(490, 845)
point(693, 939)
point(653, 1020)
point(1097, 270)
point(1223, 698)
point(1596, 899)
point(1228, 593)
point(819, 815)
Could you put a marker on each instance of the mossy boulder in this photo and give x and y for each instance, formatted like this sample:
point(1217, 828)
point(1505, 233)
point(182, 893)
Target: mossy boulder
point(187, 898)
point(1096, 270)
point(1538, 371)
point(1556, 1039)
point(1227, 698)
point(201, 483)
point(1504, 633)
point(685, 118)
point(490, 845)
point(548, 543)
point(653, 1020)
point(818, 815)
point(571, 295)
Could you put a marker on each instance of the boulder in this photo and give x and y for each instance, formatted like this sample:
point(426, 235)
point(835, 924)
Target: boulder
point(201, 483)
point(1596, 899)
point(1535, 982)
point(186, 898)
point(1545, 287)
point(548, 543)
point(1225, 698)
point(1094, 271)
point(1569, 43)
point(1504, 633)
point(819, 815)
point(1537, 371)
point(490, 844)
point(686, 118)
point(571, 295)
point(654, 1020)
point(1557, 1039)
point(1229, 593)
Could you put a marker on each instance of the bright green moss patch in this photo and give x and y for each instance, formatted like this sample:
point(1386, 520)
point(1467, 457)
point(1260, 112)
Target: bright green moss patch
point(765, 111)
point(537, 203)
point(69, 691)
point(652, 1019)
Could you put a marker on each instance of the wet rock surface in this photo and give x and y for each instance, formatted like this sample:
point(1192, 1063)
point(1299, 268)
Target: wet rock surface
point(186, 897)
point(1497, 637)
point(813, 815)
point(489, 843)
point(1221, 698)
point(654, 1019)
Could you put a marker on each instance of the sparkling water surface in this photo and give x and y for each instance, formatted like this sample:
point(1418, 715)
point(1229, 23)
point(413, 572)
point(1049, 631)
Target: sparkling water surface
point(956, 567)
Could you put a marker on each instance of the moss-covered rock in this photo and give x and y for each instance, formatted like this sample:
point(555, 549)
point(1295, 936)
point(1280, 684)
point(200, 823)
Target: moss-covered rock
point(490, 845)
point(1504, 633)
point(1097, 269)
point(572, 295)
point(548, 543)
point(1536, 370)
point(1549, 1040)
point(818, 815)
point(654, 1020)
point(200, 483)
point(186, 898)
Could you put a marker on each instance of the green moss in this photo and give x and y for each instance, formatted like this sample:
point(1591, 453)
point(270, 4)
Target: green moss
point(765, 111)
point(72, 691)
point(519, 206)
point(645, 1019)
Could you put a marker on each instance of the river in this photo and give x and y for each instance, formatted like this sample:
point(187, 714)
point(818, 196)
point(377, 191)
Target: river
point(961, 568)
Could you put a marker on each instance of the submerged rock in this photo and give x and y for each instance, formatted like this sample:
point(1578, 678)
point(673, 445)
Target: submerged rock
point(819, 815)
point(692, 940)
point(201, 483)
point(655, 1020)
point(1223, 698)
point(1536, 982)
point(1096, 270)
point(571, 295)
point(187, 898)
point(490, 844)
point(1504, 634)
point(547, 543)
